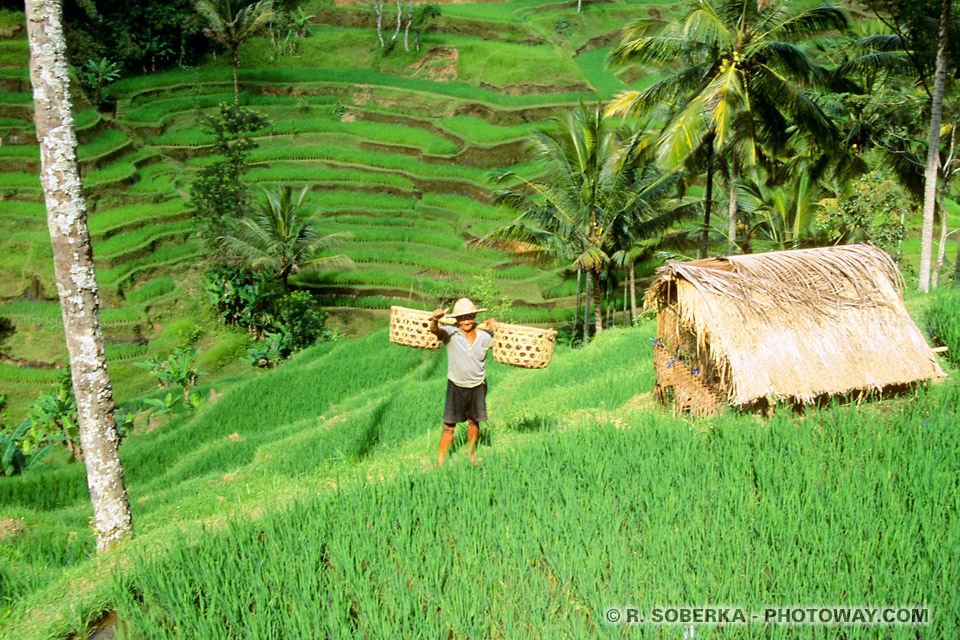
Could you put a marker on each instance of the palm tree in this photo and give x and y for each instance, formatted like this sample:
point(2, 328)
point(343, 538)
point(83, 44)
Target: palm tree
point(74, 271)
point(280, 238)
point(737, 79)
point(230, 23)
point(596, 191)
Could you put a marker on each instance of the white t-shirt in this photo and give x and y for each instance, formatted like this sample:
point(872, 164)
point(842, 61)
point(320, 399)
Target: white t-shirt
point(465, 362)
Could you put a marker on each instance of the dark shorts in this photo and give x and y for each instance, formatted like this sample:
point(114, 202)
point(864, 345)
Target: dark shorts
point(465, 403)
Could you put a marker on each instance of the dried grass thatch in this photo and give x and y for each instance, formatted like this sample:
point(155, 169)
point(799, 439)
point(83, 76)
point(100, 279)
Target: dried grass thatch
point(792, 324)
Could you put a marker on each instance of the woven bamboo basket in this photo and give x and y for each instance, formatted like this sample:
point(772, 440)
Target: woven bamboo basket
point(411, 328)
point(520, 346)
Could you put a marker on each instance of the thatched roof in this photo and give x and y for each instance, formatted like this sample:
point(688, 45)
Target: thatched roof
point(798, 324)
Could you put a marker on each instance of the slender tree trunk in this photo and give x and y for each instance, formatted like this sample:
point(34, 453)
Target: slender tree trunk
point(576, 308)
point(933, 148)
point(236, 84)
point(942, 246)
point(597, 302)
point(707, 202)
point(633, 293)
point(378, 9)
point(626, 286)
point(406, 29)
point(578, 5)
point(74, 270)
point(732, 229)
point(586, 307)
point(399, 16)
point(956, 267)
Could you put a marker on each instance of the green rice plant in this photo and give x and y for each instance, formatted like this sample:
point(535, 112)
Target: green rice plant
point(118, 352)
point(108, 221)
point(941, 321)
point(326, 175)
point(24, 375)
point(480, 131)
point(346, 77)
point(775, 511)
point(108, 141)
point(463, 204)
point(138, 239)
point(22, 209)
point(150, 290)
point(166, 255)
point(389, 134)
point(8, 98)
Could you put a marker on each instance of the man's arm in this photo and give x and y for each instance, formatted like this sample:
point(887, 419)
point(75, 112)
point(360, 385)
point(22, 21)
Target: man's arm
point(434, 323)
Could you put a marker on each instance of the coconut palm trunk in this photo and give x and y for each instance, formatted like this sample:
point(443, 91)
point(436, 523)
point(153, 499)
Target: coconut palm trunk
point(576, 307)
point(732, 228)
point(74, 270)
point(707, 201)
point(235, 60)
point(597, 304)
point(588, 296)
point(933, 148)
point(633, 294)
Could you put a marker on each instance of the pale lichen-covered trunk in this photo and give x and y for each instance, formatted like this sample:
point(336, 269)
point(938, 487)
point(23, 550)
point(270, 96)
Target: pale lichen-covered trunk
point(933, 149)
point(74, 271)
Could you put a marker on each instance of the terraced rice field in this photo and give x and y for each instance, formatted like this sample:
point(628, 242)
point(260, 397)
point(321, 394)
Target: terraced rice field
point(395, 154)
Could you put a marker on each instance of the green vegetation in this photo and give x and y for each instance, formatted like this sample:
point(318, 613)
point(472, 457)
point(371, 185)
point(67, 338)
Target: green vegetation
point(356, 415)
point(397, 148)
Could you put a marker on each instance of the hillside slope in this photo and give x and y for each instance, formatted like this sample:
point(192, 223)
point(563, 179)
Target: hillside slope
point(306, 501)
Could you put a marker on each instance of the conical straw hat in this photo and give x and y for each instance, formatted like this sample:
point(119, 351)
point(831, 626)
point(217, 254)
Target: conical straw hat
point(464, 307)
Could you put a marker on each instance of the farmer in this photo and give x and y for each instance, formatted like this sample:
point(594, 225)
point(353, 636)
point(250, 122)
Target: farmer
point(466, 375)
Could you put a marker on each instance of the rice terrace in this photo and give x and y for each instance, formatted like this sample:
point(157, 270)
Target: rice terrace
point(465, 320)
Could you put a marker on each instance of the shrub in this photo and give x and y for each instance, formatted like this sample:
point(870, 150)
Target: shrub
point(178, 369)
point(242, 298)
point(300, 320)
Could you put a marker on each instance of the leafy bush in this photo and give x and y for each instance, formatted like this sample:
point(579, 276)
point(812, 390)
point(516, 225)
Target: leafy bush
point(218, 194)
point(300, 320)
point(14, 459)
point(242, 298)
point(268, 353)
point(941, 320)
point(874, 211)
point(53, 418)
point(178, 369)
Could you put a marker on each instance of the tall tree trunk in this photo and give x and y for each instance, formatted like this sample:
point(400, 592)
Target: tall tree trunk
point(378, 9)
point(956, 266)
point(406, 29)
point(732, 228)
point(707, 202)
point(578, 5)
point(588, 297)
point(626, 286)
point(576, 308)
point(633, 293)
point(399, 16)
point(74, 270)
point(933, 148)
point(597, 301)
point(942, 246)
point(236, 84)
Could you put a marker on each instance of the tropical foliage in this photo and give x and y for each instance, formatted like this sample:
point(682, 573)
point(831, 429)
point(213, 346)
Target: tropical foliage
point(281, 238)
point(230, 23)
point(599, 193)
point(737, 85)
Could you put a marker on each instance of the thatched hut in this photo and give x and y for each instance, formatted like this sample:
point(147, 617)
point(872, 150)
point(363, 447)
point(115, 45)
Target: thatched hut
point(788, 325)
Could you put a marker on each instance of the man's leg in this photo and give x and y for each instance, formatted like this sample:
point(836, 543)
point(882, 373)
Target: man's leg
point(445, 439)
point(473, 430)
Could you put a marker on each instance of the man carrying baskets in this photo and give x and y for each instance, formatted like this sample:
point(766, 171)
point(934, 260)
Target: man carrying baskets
point(466, 374)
